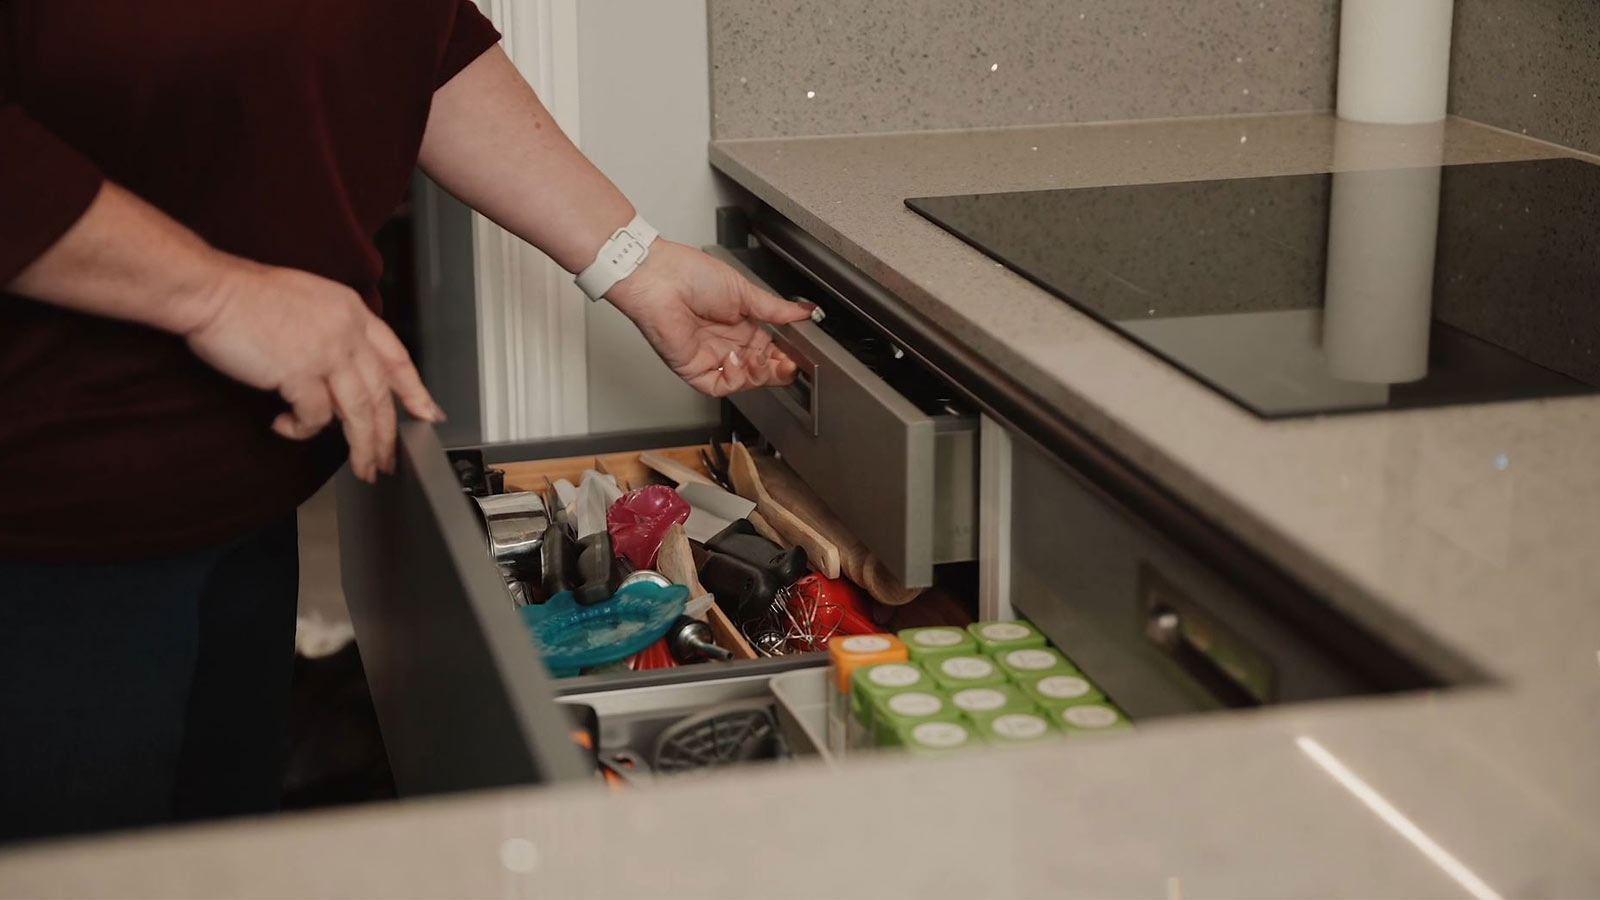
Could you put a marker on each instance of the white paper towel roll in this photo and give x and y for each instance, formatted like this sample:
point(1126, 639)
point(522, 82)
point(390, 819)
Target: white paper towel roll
point(1383, 235)
point(1394, 60)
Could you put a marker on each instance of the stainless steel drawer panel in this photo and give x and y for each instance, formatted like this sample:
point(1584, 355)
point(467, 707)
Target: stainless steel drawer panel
point(1156, 629)
point(461, 695)
point(902, 480)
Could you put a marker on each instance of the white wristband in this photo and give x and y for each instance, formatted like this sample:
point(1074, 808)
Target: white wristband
point(621, 255)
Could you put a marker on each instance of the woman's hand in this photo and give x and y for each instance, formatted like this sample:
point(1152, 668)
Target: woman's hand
point(314, 342)
point(704, 320)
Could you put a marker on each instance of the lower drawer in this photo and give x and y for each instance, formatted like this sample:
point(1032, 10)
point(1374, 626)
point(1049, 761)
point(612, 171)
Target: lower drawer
point(462, 696)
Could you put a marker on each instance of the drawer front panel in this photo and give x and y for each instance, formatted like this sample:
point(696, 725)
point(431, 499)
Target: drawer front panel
point(902, 480)
point(461, 695)
point(1160, 632)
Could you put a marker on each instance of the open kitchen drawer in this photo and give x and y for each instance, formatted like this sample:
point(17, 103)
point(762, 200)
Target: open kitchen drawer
point(461, 694)
point(1160, 607)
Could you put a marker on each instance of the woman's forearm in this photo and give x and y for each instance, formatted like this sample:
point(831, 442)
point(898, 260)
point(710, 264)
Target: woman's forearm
point(492, 143)
point(125, 259)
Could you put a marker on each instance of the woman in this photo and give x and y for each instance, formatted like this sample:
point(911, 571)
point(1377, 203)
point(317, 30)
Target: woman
point(188, 198)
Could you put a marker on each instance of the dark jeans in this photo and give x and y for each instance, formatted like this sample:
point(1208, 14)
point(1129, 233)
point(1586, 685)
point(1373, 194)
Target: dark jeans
point(146, 692)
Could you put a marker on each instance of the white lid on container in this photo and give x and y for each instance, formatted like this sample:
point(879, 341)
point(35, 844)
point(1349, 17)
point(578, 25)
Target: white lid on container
point(1004, 631)
point(1090, 715)
point(894, 675)
point(978, 699)
point(1063, 687)
point(1032, 659)
point(865, 643)
point(967, 667)
point(940, 735)
point(915, 704)
point(937, 637)
point(1020, 726)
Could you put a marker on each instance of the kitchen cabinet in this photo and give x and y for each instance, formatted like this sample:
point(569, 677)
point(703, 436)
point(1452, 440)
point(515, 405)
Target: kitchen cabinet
point(1163, 609)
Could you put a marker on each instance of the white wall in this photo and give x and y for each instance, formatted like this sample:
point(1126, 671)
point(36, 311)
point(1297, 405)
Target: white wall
point(645, 117)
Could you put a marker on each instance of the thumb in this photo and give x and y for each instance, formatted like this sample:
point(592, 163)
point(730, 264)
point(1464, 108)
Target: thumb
point(765, 307)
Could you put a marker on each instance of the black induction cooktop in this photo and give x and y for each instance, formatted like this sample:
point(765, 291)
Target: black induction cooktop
point(1308, 294)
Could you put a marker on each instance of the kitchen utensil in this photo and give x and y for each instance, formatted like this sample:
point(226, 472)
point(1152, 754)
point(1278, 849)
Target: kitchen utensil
point(655, 656)
point(597, 566)
point(716, 476)
point(823, 554)
point(672, 469)
point(477, 479)
point(747, 571)
point(711, 509)
point(690, 640)
point(817, 609)
point(558, 554)
point(739, 539)
point(639, 521)
point(647, 576)
point(855, 561)
point(721, 736)
point(677, 560)
point(728, 634)
point(716, 461)
point(515, 525)
point(573, 636)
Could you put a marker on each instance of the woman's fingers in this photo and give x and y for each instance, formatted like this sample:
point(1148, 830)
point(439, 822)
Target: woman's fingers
point(383, 418)
point(311, 409)
point(765, 307)
point(402, 373)
point(354, 403)
point(735, 376)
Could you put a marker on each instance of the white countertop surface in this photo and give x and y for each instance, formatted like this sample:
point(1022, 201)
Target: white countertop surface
point(1404, 519)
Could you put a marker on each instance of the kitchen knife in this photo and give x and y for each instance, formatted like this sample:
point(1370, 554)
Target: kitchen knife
point(597, 561)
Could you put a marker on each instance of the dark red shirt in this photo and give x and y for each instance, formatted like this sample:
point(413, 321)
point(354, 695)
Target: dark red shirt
point(284, 131)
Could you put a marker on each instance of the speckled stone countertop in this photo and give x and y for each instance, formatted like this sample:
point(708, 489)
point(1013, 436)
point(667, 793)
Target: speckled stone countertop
point(1404, 518)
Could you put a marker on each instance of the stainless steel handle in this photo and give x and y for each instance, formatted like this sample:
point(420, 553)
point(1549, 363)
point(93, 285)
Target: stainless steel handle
point(1215, 656)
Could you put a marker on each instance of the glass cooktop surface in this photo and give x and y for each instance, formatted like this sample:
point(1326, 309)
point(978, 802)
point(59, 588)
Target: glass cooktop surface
point(1308, 294)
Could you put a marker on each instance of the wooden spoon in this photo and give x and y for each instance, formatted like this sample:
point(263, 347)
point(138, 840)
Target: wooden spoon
point(747, 480)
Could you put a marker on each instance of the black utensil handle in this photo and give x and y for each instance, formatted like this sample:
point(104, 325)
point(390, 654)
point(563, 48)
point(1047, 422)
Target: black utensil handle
point(596, 568)
point(558, 558)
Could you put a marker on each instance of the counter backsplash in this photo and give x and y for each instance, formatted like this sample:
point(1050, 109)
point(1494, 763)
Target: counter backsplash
point(804, 67)
point(1530, 66)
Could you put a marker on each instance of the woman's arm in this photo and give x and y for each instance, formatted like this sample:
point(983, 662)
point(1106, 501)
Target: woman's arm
point(310, 339)
point(491, 143)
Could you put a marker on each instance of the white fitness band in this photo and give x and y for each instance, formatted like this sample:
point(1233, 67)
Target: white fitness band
point(621, 255)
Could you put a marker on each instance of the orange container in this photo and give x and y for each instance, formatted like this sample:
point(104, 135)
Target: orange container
point(846, 654)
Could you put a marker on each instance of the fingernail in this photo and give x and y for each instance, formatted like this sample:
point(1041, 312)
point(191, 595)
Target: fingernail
point(733, 357)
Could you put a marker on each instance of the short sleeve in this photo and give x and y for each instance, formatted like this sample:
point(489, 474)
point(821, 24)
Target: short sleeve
point(45, 187)
point(471, 35)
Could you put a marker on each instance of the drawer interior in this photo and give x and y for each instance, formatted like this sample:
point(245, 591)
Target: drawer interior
point(951, 600)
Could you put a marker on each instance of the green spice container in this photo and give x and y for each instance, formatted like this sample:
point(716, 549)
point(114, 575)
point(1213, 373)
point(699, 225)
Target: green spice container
point(1033, 662)
point(987, 702)
point(935, 738)
point(1055, 692)
point(1090, 718)
point(870, 684)
point(895, 712)
point(955, 673)
point(1016, 729)
point(997, 637)
point(926, 644)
